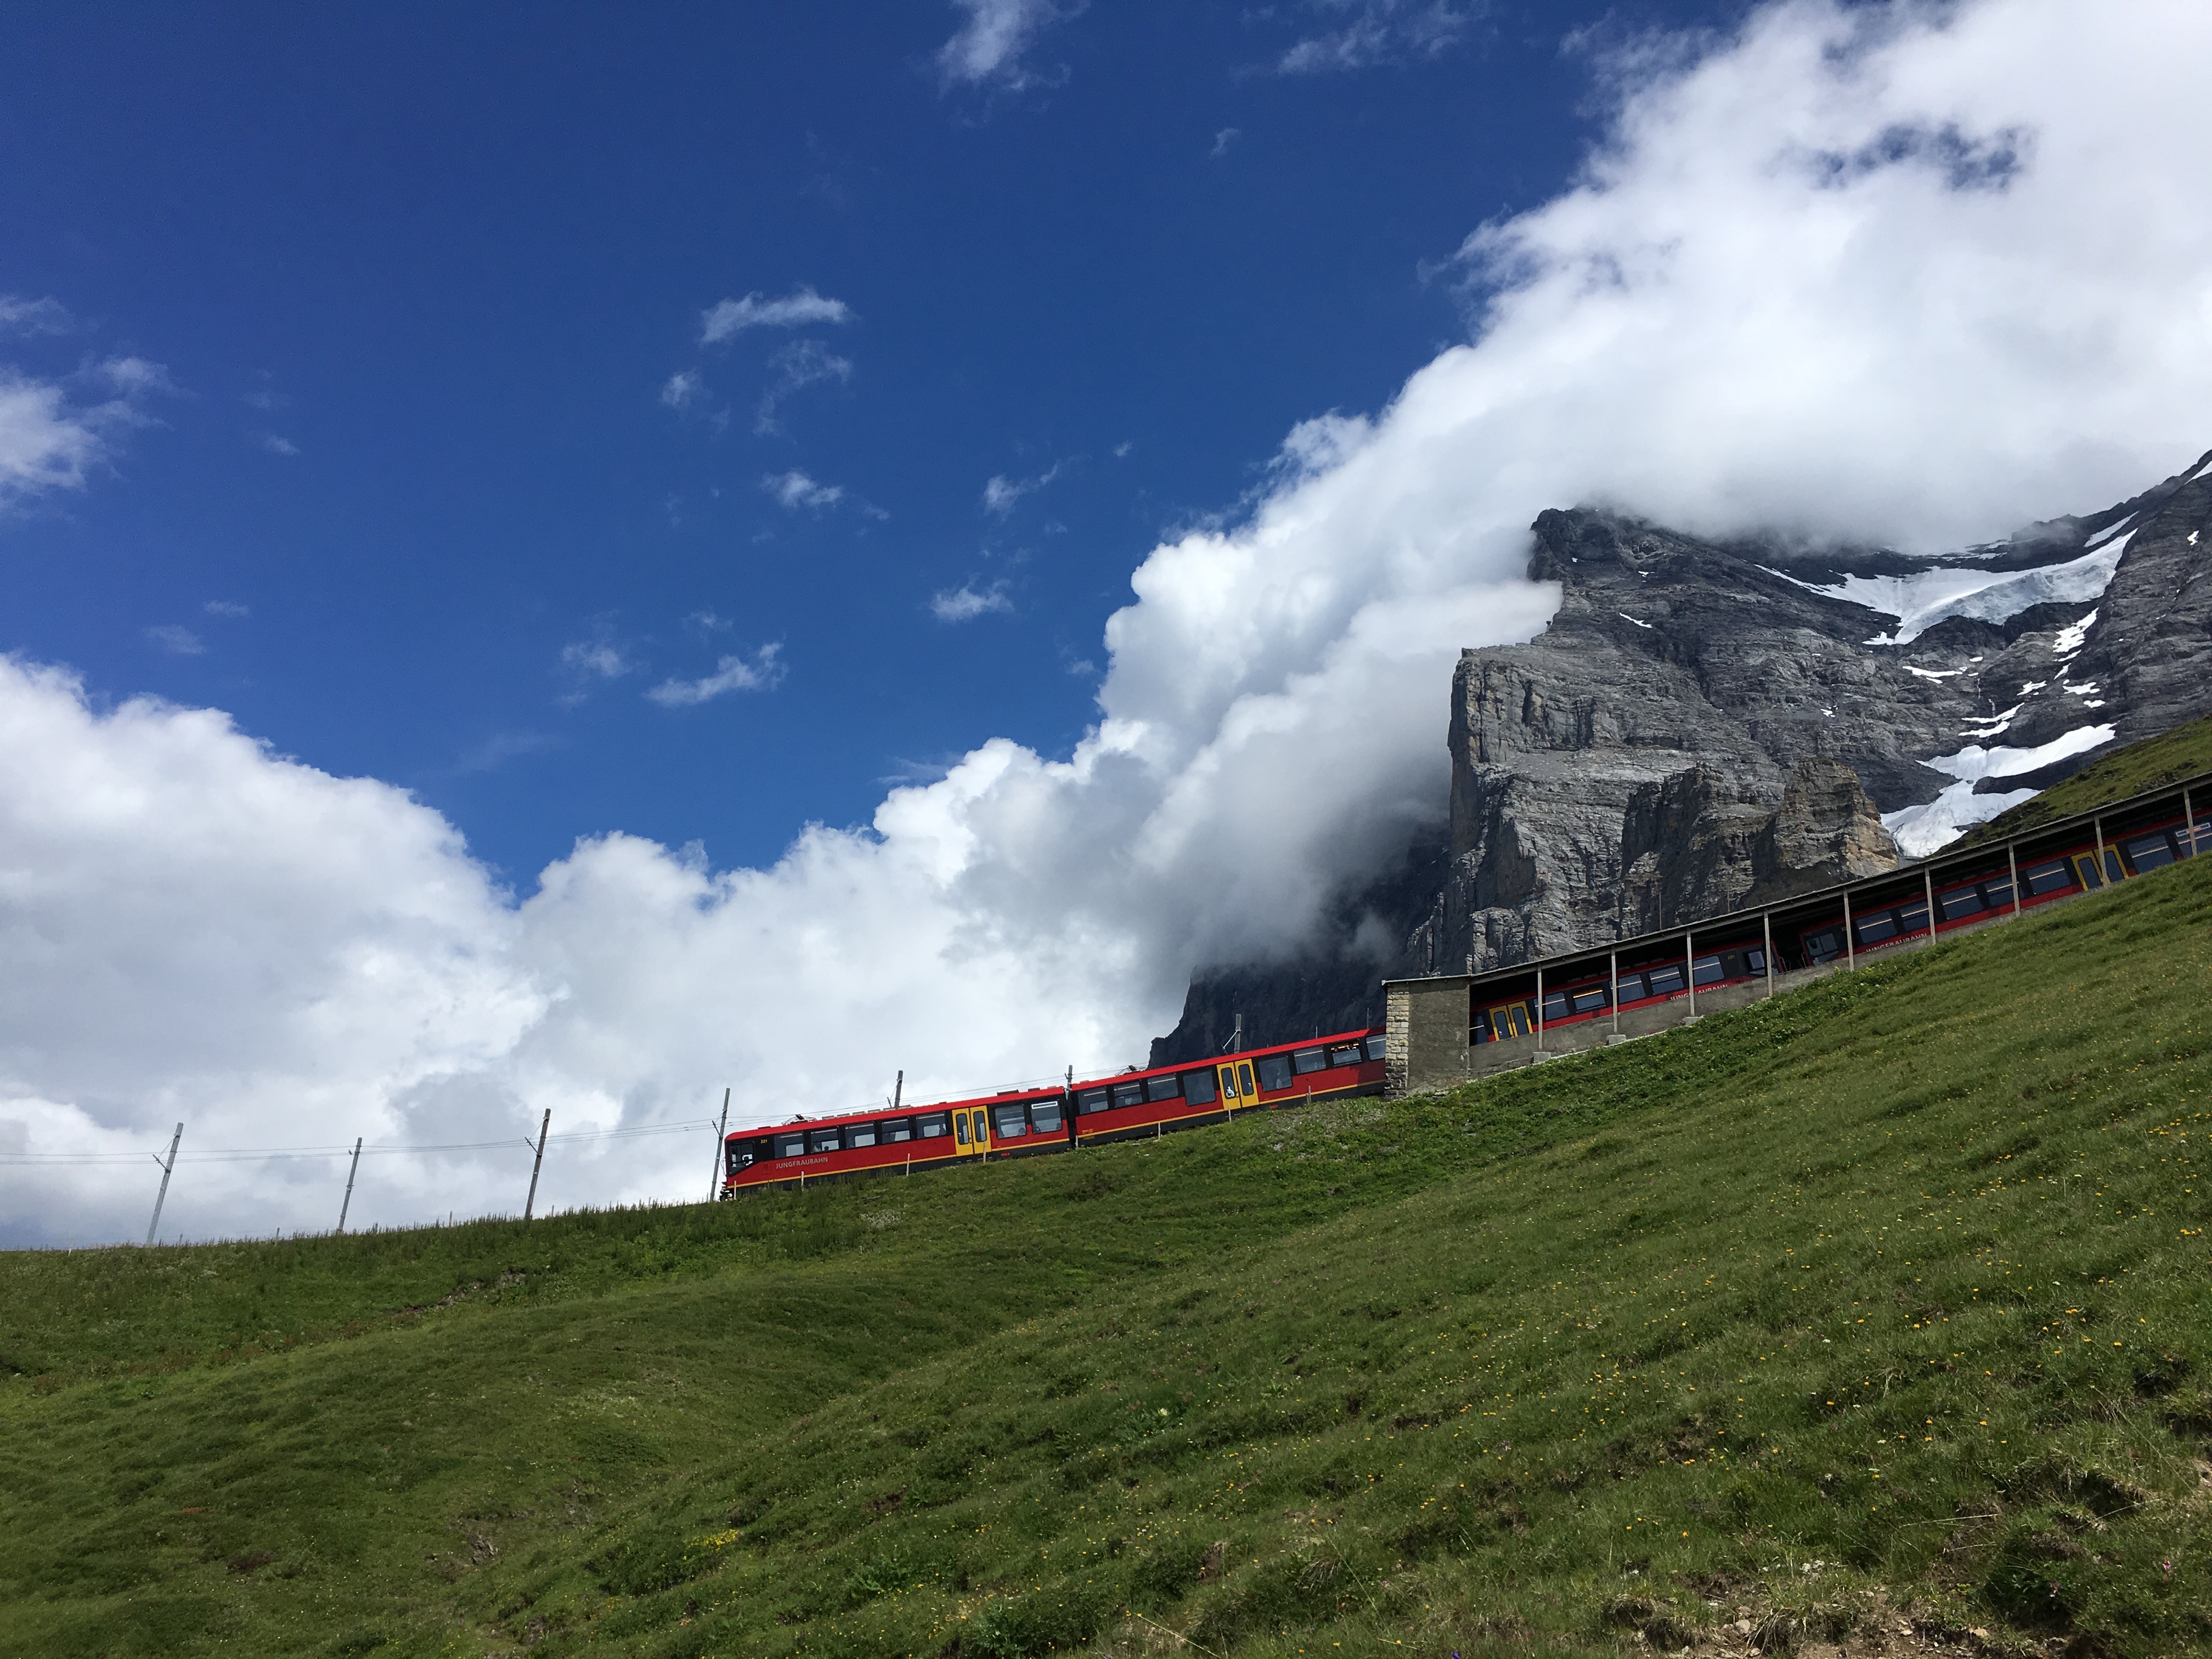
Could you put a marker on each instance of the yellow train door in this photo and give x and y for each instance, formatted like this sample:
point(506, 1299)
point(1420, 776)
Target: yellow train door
point(1227, 1075)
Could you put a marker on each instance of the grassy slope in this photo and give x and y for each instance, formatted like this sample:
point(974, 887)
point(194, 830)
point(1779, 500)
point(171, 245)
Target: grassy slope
point(1901, 1275)
point(2154, 762)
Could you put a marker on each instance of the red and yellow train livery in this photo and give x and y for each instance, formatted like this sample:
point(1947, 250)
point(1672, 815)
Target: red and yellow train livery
point(1024, 1122)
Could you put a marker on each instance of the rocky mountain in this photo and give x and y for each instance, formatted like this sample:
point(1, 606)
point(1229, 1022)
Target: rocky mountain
point(1705, 723)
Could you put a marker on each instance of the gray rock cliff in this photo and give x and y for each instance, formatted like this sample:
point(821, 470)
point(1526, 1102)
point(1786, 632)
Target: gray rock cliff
point(1704, 724)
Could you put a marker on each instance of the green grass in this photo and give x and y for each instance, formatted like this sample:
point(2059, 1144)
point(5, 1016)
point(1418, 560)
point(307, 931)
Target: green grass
point(1887, 1292)
point(2140, 767)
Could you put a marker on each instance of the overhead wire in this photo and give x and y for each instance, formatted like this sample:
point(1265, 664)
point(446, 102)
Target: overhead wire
point(268, 1154)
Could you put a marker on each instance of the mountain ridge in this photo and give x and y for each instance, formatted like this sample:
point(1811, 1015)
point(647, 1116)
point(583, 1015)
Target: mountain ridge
point(1618, 771)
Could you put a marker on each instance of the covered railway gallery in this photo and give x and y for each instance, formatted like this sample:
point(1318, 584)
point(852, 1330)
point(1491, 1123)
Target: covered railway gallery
point(1445, 1029)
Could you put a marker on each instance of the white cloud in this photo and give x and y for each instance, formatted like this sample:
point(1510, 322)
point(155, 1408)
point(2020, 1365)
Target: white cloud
point(1796, 285)
point(988, 49)
point(177, 640)
point(278, 445)
point(801, 364)
point(1376, 31)
point(683, 389)
point(226, 608)
point(21, 316)
point(799, 308)
point(1001, 494)
point(794, 491)
point(763, 671)
point(587, 664)
point(597, 658)
point(967, 602)
point(49, 441)
point(1222, 140)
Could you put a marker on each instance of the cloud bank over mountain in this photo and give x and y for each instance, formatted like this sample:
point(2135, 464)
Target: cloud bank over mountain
point(1913, 273)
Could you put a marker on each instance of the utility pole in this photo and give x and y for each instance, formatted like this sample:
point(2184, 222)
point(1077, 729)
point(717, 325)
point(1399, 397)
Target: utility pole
point(163, 1197)
point(715, 1184)
point(531, 1203)
point(898, 1089)
point(350, 1173)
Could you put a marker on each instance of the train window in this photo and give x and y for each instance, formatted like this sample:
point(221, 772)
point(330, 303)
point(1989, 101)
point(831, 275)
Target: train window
point(2054, 876)
point(1589, 999)
point(862, 1134)
point(1377, 1045)
point(897, 1129)
point(824, 1140)
point(1967, 901)
point(1244, 1079)
point(1912, 918)
point(1997, 894)
point(2114, 872)
point(1345, 1054)
point(1128, 1094)
point(1044, 1117)
point(1875, 928)
point(1012, 1122)
point(1663, 982)
point(1824, 946)
point(1309, 1060)
point(2088, 868)
point(741, 1155)
point(2149, 852)
point(1198, 1087)
point(1163, 1088)
point(1555, 1007)
point(1274, 1072)
point(960, 1127)
point(1755, 960)
point(1479, 1031)
point(1706, 969)
point(2204, 834)
point(790, 1145)
point(932, 1126)
point(1093, 1100)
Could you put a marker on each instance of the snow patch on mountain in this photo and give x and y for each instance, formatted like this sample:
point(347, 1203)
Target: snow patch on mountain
point(1920, 830)
point(1926, 598)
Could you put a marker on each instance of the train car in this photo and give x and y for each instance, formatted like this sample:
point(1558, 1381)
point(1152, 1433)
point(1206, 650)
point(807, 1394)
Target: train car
point(1145, 1102)
point(884, 1142)
point(1959, 904)
point(1024, 1123)
point(1643, 984)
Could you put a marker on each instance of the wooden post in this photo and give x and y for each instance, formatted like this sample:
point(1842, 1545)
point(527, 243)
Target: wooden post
point(1690, 968)
point(721, 1155)
point(531, 1203)
point(1850, 955)
point(2012, 863)
point(163, 1197)
point(1615, 966)
point(1766, 934)
point(346, 1204)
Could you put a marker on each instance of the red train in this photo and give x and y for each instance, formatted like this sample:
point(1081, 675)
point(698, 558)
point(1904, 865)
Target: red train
point(1876, 923)
point(1024, 1122)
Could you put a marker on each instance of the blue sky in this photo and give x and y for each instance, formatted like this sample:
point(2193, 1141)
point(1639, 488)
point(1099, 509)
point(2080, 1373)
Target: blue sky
point(420, 505)
point(897, 534)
